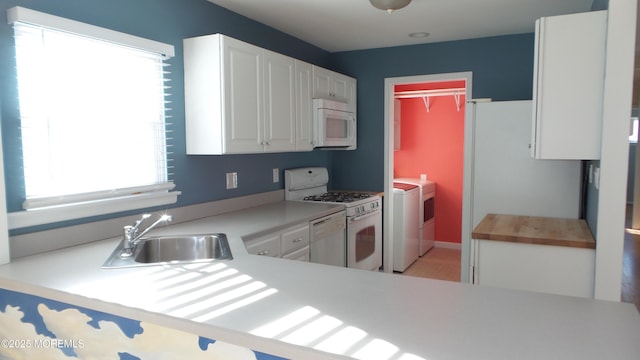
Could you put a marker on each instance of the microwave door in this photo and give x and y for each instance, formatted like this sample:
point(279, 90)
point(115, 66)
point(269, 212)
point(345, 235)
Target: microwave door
point(337, 128)
point(354, 129)
point(334, 129)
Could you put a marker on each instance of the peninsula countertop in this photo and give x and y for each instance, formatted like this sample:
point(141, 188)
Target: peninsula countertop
point(333, 312)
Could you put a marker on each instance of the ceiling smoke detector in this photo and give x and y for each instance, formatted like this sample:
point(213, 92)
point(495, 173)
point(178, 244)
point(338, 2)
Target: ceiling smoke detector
point(389, 5)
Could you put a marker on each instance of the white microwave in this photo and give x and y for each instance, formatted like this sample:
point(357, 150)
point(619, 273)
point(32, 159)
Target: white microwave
point(334, 126)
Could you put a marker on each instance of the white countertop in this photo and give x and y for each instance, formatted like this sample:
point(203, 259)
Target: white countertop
point(344, 311)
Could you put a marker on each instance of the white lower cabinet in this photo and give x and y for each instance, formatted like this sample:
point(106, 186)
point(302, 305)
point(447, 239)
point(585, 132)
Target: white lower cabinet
point(265, 246)
point(550, 269)
point(291, 243)
point(298, 255)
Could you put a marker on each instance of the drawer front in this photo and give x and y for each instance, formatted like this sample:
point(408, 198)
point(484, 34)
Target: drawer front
point(265, 246)
point(295, 239)
point(299, 255)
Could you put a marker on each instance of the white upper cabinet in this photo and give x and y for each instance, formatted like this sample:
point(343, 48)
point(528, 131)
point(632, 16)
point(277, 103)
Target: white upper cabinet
point(568, 86)
point(304, 90)
point(240, 98)
point(329, 84)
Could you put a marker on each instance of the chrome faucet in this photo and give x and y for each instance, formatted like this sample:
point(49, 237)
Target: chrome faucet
point(132, 234)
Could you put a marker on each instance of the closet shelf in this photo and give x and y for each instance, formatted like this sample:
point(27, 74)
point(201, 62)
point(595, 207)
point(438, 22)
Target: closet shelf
point(427, 94)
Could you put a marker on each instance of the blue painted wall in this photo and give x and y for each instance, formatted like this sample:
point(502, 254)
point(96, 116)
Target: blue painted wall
point(200, 178)
point(502, 70)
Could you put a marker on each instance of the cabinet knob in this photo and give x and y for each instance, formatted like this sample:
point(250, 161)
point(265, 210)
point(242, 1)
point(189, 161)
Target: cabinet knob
point(265, 252)
point(297, 240)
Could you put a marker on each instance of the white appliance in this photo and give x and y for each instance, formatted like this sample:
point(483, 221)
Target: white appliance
point(327, 244)
point(363, 213)
point(406, 201)
point(334, 126)
point(426, 211)
point(506, 180)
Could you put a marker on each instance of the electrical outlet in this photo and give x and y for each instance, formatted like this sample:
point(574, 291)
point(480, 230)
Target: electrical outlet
point(232, 180)
point(276, 175)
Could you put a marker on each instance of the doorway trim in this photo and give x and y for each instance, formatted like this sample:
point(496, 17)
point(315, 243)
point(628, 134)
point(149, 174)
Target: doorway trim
point(389, 89)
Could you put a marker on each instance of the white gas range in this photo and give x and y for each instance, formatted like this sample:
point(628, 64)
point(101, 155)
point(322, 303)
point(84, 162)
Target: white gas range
point(363, 212)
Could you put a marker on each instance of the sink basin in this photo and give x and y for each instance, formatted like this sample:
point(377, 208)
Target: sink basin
point(173, 250)
point(183, 248)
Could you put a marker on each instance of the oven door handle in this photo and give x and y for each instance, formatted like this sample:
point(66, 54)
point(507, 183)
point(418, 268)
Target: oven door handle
point(363, 216)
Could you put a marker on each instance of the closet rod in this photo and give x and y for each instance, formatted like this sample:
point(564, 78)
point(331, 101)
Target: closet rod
point(427, 94)
point(423, 93)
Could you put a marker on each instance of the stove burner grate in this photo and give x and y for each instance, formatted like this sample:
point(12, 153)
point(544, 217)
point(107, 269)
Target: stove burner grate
point(338, 197)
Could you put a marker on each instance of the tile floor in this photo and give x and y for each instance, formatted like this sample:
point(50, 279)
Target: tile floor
point(437, 263)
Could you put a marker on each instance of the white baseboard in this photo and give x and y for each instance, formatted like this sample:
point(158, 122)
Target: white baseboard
point(448, 245)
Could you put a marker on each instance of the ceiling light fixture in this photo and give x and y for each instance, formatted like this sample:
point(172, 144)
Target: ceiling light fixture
point(420, 34)
point(389, 5)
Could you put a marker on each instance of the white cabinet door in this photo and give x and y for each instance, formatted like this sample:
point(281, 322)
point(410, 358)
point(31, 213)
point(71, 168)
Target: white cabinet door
point(243, 113)
point(268, 245)
point(541, 268)
point(280, 102)
point(304, 95)
point(344, 89)
point(397, 121)
point(322, 83)
point(290, 243)
point(568, 86)
point(294, 239)
point(298, 255)
point(329, 84)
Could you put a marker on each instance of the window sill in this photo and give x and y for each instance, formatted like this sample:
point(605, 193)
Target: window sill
point(22, 219)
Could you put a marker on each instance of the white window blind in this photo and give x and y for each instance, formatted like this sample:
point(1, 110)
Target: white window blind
point(92, 113)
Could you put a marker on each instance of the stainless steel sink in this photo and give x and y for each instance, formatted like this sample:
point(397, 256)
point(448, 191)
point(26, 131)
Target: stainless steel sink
point(172, 250)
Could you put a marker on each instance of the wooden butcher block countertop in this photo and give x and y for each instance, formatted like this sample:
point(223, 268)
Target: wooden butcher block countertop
point(535, 230)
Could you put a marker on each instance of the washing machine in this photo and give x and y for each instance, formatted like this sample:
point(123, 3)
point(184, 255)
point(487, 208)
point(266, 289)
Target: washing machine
point(406, 238)
point(426, 211)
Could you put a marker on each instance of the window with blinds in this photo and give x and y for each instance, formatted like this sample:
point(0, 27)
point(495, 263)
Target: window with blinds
point(92, 110)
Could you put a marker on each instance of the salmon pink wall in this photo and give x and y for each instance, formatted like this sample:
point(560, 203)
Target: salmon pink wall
point(432, 143)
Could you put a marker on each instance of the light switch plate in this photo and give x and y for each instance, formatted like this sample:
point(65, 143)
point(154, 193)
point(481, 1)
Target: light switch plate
point(276, 175)
point(232, 180)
